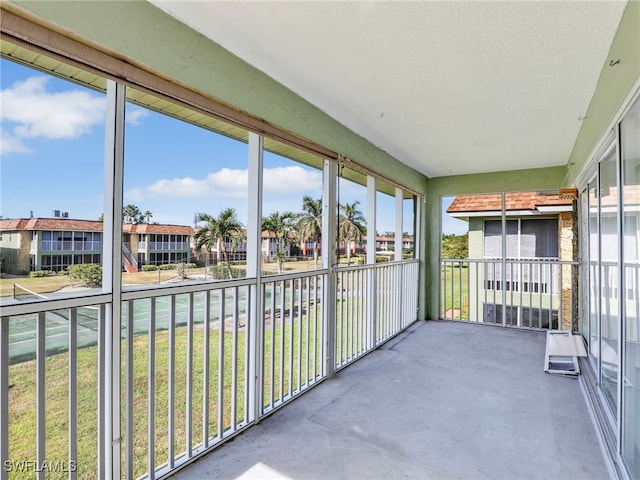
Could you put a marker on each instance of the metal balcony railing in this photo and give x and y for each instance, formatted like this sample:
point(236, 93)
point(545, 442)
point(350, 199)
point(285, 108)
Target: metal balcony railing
point(184, 368)
point(529, 293)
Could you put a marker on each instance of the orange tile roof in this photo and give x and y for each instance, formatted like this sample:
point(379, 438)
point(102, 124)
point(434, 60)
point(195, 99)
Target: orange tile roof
point(157, 228)
point(492, 202)
point(87, 226)
point(51, 224)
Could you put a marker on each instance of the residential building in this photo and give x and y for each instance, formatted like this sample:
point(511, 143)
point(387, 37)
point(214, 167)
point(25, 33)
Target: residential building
point(539, 235)
point(154, 244)
point(32, 244)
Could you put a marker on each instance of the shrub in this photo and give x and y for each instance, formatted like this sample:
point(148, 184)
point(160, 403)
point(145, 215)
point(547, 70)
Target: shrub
point(86, 274)
point(221, 272)
point(149, 268)
point(40, 273)
point(182, 270)
point(168, 266)
point(192, 265)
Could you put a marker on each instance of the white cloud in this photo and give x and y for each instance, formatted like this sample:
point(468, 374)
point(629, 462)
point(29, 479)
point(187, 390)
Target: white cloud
point(291, 180)
point(35, 112)
point(11, 144)
point(230, 183)
point(133, 115)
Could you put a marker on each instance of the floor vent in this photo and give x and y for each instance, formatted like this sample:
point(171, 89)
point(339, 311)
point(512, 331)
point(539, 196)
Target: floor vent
point(562, 352)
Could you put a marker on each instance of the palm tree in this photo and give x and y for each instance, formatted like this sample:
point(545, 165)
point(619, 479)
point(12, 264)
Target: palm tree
point(132, 214)
point(352, 226)
point(147, 215)
point(280, 224)
point(217, 231)
point(310, 223)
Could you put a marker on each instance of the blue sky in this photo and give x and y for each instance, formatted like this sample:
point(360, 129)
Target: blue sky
point(52, 150)
point(451, 225)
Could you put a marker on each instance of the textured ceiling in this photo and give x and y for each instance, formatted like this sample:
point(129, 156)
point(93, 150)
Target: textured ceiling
point(446, 87)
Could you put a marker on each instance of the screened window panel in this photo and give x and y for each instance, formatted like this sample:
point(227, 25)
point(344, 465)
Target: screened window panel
point(539, 238)
point(493, 238)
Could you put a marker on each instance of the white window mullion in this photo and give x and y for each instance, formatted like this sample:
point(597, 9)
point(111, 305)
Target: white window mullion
point(254, 254)
point(112, 277)
point(329, 237)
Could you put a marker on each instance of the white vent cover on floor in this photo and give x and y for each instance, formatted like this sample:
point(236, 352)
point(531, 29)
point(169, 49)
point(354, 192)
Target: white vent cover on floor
point(562, 352)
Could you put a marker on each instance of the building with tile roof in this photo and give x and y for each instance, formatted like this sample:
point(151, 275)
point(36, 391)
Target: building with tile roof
point(539, 235)
point(31, 244)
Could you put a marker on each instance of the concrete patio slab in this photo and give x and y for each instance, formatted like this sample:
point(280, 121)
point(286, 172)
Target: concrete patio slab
point(443, 400)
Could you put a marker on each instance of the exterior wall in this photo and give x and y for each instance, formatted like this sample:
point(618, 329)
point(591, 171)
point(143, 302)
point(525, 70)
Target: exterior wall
point(15, 249)
point(134, 245)
point(614, 84)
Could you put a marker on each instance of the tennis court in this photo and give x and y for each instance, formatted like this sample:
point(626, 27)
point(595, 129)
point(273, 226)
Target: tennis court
point(23, 329)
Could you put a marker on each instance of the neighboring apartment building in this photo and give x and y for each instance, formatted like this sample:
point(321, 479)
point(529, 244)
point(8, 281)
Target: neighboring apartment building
point(155, 244)
point(30, 244)
point(539, 234)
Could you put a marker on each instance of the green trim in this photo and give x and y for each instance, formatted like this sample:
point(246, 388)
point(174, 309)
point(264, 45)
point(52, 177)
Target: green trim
point(614, 85)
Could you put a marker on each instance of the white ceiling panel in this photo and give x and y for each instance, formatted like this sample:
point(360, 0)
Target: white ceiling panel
point(446, 87)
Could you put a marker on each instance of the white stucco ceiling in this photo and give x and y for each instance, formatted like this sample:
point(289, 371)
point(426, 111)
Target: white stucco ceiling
point(446, 87)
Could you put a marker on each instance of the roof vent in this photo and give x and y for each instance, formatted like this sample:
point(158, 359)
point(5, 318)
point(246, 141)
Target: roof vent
point(56, 213)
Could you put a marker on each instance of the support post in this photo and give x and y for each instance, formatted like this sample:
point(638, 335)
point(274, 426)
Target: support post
point(371, 260)
point(112, 276)
point(254, 269)
point(329, 244)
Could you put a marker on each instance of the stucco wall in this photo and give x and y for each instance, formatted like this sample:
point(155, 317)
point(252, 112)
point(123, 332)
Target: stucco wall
point(614, 85)
point(14, 251)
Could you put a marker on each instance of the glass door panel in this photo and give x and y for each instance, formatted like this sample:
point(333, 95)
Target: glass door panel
point(594, 277)
point(609, 275)
point(630, 142)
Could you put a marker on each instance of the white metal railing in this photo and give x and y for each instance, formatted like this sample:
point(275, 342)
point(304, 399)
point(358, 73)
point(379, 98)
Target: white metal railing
point(56, 386)
point(293, 330)
point(354, 321)
point(163, 246)
point(70, 246)
point(365, 321)
point(185, 374)
point(530, 293)
point(396, 307)
point(128, 258)
point(195, 364)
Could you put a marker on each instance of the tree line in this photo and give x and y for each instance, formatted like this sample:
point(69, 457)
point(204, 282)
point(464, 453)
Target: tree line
point(288, 228)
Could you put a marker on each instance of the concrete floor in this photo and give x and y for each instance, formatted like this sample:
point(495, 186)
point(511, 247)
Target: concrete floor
point(443, 400)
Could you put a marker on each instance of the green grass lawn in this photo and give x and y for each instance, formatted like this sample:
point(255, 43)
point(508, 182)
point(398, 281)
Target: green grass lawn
point(454, 291)
point(291, 364)
point(53, 283)
point(292, 358)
